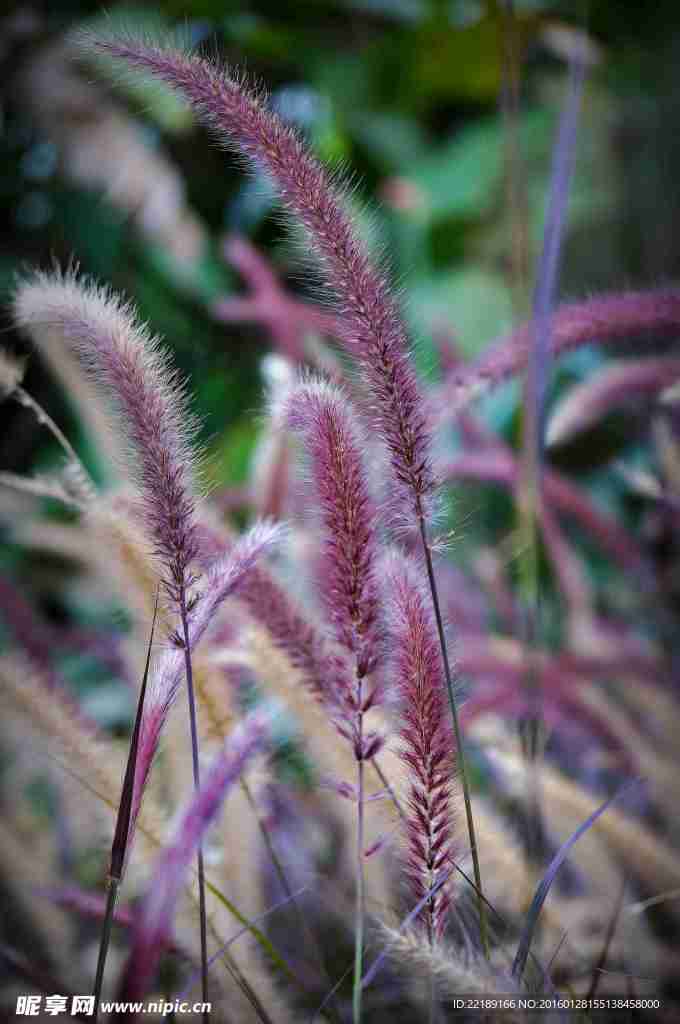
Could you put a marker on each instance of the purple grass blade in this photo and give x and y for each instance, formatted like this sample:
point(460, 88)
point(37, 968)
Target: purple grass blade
point(158, 908)
point(546, 283)
point(546, 882)
point(120, 839)
point(533, 421)
point(372, 328)
point(124, 817)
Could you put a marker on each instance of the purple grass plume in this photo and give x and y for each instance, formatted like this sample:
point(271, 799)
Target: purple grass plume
point(428, 746)
point(131, 363)
point(154, 922)
point(371, 325)
point(324, 416)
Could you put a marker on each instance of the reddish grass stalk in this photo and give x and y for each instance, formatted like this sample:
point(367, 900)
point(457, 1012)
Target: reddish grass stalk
point(330, 427)
point(119, 848)
point(372, 328)
point(154, 417)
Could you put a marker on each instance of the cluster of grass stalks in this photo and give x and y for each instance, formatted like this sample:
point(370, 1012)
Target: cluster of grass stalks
point(390, 786)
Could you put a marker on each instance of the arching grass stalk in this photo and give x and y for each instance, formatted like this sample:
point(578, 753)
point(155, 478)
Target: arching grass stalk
point(372, 329)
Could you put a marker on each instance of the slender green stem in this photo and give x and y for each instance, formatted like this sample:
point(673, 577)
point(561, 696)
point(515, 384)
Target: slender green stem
point(458, 736)
point(197, 783)
point(360, 882)
point(112, 892)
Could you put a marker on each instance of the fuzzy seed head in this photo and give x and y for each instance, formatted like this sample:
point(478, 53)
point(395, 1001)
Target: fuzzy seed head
point(131, 364)
point(371, 326)
point(427, 740)
point(323, 415)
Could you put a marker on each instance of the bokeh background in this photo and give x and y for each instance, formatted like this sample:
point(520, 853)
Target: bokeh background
point(445, 113)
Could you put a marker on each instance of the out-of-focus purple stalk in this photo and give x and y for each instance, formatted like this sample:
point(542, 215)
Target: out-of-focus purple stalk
point(615, 385)
point(546, 284)
point(158, 908)
point(603, 319)
point(227, 575)
point(498, 465)
point(287, 319)
point(530, 484)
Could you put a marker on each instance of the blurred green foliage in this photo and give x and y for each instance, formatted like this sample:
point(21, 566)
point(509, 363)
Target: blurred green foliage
point(416, 97)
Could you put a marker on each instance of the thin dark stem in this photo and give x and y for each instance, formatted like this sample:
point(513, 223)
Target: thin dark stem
point(611, 929)
point(112, 893)
point(387, 785)
point(361, 896)
point(46, 420)
point(197, 783)
point(458, 736)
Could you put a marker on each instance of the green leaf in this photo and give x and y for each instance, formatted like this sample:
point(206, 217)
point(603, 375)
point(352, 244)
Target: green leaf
point(462, 179)
point(475, 303)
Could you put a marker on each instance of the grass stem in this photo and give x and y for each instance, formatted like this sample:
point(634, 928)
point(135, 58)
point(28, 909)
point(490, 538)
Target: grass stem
point(197, 782)
point(111, 895)
point(361, 895)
